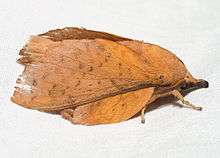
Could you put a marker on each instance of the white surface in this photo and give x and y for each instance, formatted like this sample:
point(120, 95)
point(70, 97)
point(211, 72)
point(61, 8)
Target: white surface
point(190, 28)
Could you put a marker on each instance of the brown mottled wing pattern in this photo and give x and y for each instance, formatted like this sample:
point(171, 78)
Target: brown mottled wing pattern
point(69, 73)
point(154, 56)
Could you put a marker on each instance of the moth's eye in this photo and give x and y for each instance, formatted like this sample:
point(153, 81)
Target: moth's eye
point(184, 86)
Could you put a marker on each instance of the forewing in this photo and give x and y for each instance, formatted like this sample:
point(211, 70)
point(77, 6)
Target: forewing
point(164, 68)
point(113, 109)
point(70, 73)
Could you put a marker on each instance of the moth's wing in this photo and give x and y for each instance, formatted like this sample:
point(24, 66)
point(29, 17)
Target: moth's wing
point(113, 109)
point(164, 67)
point(69, 73)
point(71, 33)
point(160, 60)
point(74, 33)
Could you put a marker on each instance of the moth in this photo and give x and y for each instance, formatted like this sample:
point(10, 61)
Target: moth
point(91, 77)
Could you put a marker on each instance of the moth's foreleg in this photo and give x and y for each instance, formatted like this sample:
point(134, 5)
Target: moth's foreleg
point(142, 115)
point(179, 96)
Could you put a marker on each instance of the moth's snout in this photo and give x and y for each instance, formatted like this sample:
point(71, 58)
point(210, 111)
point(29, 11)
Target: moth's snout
point(200, 83)
point(204, 84)
point(195, 84)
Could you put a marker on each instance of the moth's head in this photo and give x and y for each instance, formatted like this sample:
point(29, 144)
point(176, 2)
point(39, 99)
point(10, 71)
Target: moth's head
point(190, 83)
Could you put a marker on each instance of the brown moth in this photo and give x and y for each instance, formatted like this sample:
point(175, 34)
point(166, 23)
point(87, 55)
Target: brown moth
point(92, 77)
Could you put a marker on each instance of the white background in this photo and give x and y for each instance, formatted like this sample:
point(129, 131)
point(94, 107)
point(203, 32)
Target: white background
point(190, 28)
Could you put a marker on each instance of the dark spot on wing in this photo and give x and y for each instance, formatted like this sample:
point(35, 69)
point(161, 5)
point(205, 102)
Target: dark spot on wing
point(54, 86)
point(45, 76)
point(161, 77)
point(71, 99)
point(90, 68)
point(145, 61)
point(34, 83)
point(83, 74)
point(78, 83)
point(108, 55)
point(112, 81)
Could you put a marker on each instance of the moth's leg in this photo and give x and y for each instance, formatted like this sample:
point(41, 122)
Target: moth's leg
point(179, 96)
point(67, 114)
point(142, 115)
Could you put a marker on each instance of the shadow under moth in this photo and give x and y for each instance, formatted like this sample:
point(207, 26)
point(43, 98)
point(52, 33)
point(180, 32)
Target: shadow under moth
point(90, 77)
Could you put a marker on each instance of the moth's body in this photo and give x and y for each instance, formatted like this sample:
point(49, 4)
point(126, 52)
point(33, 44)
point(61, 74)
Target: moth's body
point(93, 77)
